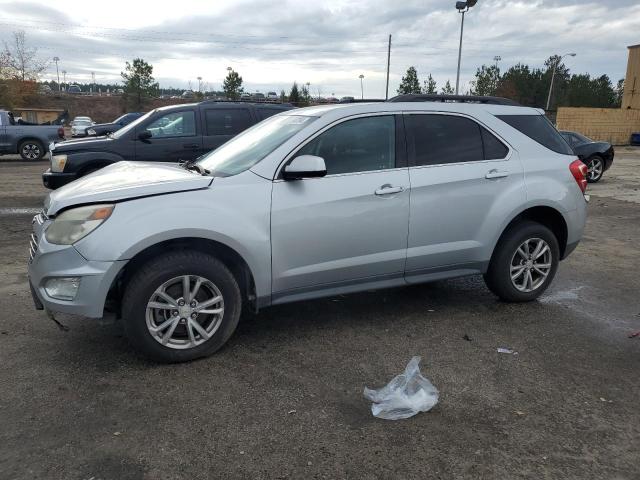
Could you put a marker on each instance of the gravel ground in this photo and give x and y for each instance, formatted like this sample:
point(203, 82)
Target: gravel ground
point(284, 398)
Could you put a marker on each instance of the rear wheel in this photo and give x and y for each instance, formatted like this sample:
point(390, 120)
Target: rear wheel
point(523, 263)
point(31, 150)
point(181, 306)
point(595, 169)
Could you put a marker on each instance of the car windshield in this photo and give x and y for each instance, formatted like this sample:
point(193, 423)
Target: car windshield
point(251, 146)
point(124, 130)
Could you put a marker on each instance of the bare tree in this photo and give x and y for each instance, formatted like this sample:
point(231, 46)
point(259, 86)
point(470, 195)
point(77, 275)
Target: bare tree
point(20, 62)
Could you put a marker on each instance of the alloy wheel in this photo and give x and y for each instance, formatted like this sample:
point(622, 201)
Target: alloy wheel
point(185, 312)
point(31, 151)
point(594, 169)
point(530, 265)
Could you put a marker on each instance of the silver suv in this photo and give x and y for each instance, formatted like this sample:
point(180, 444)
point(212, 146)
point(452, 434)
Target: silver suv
point(310, 203)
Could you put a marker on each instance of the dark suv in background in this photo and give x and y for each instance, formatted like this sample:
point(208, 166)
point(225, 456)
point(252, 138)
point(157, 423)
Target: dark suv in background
point(167, 134)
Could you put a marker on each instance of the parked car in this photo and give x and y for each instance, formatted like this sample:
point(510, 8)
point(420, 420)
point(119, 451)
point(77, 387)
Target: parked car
point(29, 141)
point(245, 96)
point(74, 89)
point(272, 96)
point(258, 96)
point(168, 134)
point(597, 156)
point(79, 126)
point(311, 203)
point(100, 129)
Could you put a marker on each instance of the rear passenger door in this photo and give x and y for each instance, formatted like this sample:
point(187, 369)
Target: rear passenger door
point(224, 123)
point(464, 182)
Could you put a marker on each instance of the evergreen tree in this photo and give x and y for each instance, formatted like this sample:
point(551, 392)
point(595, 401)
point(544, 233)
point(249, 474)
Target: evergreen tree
point(294, 95)
point(410, 82)
point(487, 80)
point(430, 85)
point(447, 89)
point(139, 83)
point(232, 85)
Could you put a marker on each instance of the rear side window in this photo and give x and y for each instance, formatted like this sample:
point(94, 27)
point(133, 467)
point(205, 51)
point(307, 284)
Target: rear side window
point(540, 129)
point(494, 149)
point(438, 139)
point(227, 121)
point(267, 112)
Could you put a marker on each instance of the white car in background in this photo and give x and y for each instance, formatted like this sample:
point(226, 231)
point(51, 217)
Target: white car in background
point(79, 124)
point(272, 96)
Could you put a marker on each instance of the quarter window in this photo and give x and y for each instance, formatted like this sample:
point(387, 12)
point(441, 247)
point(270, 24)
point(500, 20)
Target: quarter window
point(494, 149)
point(540, 129)
point(358, 145)
point(175, 124)
point(227, 121)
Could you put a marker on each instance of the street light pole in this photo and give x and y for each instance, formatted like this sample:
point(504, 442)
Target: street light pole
point(64, 77)
point(553, 76)
point(496, 59)
point(361, 87)
point(462, 7)
point(57, 59)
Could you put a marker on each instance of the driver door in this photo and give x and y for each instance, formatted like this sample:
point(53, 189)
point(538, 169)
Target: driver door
point(175, 136)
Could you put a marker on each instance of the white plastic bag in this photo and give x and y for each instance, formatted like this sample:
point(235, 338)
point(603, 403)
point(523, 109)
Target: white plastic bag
point(404, 396)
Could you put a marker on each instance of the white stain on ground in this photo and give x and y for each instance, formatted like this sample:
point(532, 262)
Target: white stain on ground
point(19, 211)
point(561, 296)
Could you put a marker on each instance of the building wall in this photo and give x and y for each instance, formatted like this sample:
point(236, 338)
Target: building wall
point(611, 125)
point(631, 95)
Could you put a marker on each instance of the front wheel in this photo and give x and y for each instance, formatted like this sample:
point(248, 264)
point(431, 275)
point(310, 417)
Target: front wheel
point(31, 150)
point(181, 306)
point(595, 169)
point(523, 263)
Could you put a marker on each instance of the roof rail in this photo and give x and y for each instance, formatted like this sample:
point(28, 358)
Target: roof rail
point(250, 102)
point(419, 97)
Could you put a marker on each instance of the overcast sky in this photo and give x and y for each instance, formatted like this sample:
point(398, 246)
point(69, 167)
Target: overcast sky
point(328, 43)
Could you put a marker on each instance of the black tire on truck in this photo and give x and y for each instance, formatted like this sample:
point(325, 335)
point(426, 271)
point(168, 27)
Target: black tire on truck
point(31, 149)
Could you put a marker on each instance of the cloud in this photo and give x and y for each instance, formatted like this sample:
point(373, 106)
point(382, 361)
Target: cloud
point(328, 43)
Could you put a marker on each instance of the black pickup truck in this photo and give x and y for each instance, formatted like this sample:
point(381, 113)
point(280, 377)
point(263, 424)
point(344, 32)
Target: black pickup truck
point(167, 134)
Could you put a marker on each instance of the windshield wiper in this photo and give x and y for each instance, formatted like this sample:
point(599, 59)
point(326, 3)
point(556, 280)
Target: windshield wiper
point(195, 167)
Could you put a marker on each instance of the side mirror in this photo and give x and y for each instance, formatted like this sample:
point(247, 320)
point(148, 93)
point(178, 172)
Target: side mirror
point(145, 135)
point(305, 166)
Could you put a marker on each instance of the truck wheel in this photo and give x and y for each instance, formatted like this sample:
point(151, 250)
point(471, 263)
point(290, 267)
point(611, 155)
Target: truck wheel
point(181, 306)
point(31, 150)
point(523, 263)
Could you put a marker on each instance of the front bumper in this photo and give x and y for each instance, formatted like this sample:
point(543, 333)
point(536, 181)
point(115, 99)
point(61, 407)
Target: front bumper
point(53, 180)
point(48, 261)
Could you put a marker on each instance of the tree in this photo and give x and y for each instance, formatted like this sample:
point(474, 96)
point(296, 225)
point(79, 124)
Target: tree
point(19, 62)
point(410, 82)
point(139, 84)
point(294, 95)
point(232, 85)
point(305, 98)
point(283, 96)
point(430, 85)
point(447, 89)
point(487, 80)
point(619, 92)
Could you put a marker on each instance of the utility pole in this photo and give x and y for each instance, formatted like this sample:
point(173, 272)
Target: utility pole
point(64, 77)
point(496, 59)
point(386, 92)
point(57, 59)
point(462, 7)
point(199, 84)
point(361, 87)
point(93, 81)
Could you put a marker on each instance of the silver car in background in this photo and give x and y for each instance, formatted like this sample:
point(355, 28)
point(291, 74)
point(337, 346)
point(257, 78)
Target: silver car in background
point(310, 203)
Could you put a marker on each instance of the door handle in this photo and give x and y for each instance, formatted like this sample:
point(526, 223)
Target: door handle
point(191, 145)
point(388, 189)
point(496, 174)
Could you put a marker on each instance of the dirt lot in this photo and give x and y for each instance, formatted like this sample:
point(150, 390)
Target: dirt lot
point(284, 398)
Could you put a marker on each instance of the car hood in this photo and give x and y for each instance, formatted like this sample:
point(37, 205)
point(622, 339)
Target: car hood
point(91, 143)
point(125, 180)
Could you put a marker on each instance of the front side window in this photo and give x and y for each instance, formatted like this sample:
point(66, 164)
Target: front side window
point(358, 145)
point(440, 139)
point(227, 121)
point(175, 124)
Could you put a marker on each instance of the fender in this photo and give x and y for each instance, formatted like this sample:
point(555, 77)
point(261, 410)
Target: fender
point(81, 160)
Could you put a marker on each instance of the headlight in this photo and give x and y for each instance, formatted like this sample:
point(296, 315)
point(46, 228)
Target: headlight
point(91, 131)
point(58, 162)
point(72, 225)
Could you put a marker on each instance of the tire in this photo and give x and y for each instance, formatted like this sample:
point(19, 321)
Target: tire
point(507, 258)
point(142, 307)
point(595, 164)
point(31, 150)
